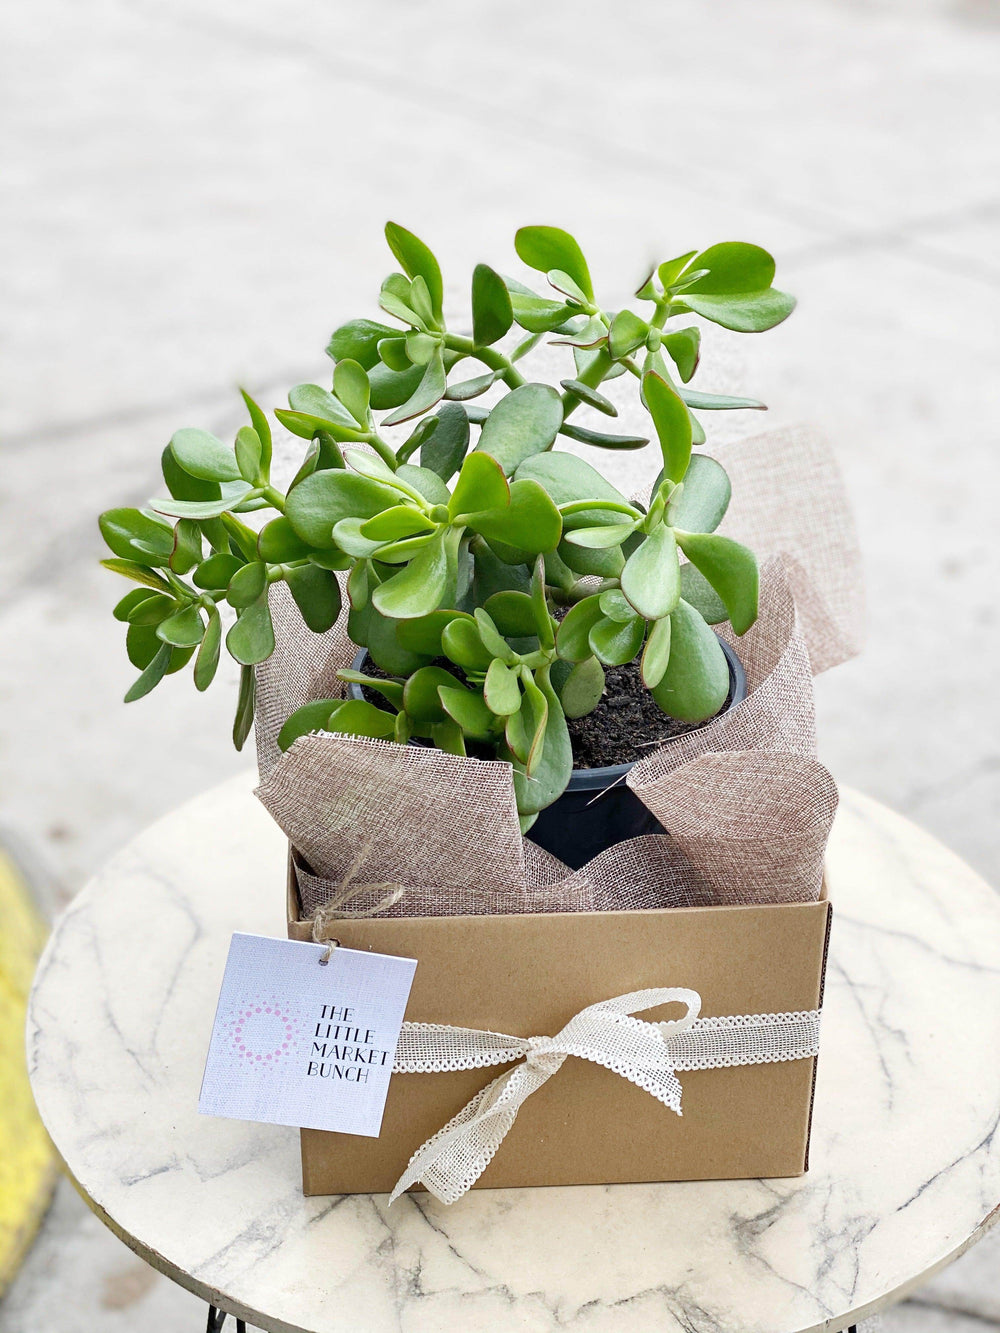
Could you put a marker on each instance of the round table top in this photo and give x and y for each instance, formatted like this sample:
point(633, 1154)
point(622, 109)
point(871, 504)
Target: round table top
point(905, 1161)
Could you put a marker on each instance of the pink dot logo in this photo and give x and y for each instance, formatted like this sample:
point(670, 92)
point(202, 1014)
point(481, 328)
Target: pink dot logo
point(264, 1031)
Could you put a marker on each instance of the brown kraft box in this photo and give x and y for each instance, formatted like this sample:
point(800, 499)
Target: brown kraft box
point(528, 975)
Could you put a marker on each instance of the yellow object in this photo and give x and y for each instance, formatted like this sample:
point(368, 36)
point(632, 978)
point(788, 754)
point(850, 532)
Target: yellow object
point(28, 1164)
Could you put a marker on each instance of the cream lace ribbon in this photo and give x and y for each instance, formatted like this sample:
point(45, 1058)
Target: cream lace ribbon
point(607, 1033)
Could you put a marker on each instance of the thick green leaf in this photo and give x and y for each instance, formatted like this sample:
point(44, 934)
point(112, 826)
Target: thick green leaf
point(133, 535)
point(656, 653)
point(501, 690)
point(546, 248)
point(472, 388)
point(317, 595)
point(573, 634)
point(602, 439)
point(513, 614)
point(583, 687)
point(590, 396)
point(415, 259)
point(671, 269)
point(716, 402)
point(700, 502)
point(491, 574)
point(184, 629)
point(187, 550)
point(616, 606)
point(390, 388)
point(313, 716)
point(152, 675)
point(138, 573)
point(672, 422)
point(389, 689)
point(524, 423)
point(277, 542)
point(243, 720)
point(392, 524)
point(251, 639)
point(357, 717)
point(538, 314)
point(568, 478)
point(468, 710)
point(531, 522)
point(154, 608)
point(207, 661)
point(249, 453)
point(552, 763)
point(350, 384)
point(493, 641)
point(181, 485)
point(696, 590)
point(627, 332)
point(462, 643)
point(598, 536)
point(197, 509)
point(418, 588)
point(447, 736)
point(312, 401)
point(492, 315)
point(324, 498)
point(614, 643)
point(651, 577)
point(420, 299)
point(732, 267)
point(423, 633)
point(359, 339)
point(603, 564)
point(730, 568)
point(445, 449)
point(695, 684)
point(429, 391)
point(753, 313)
point(131, 602)
point(384, 645)
point(247, 584)
point(199, 453)
point(424, 481)
point(481, 486)
point(217, 570)
point(392, 353)
point(683, 346)
point(420, 696)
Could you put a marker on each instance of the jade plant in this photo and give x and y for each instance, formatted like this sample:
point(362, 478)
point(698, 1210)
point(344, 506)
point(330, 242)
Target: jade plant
point(474, 541)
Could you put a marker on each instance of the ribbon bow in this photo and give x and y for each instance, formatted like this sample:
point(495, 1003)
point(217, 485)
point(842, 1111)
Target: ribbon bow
point(647, 1054)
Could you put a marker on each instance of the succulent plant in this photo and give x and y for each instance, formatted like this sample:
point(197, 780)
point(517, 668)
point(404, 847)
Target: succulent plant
point(517, 564)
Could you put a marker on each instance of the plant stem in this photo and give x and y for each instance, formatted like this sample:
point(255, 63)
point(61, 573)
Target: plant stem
point(383, 450)
point(489, 356)
point(274, 497)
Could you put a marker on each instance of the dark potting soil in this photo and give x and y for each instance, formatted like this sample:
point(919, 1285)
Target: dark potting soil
point(622, 729)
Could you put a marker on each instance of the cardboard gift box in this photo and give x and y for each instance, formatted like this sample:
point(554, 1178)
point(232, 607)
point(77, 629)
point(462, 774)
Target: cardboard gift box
point(528, 975)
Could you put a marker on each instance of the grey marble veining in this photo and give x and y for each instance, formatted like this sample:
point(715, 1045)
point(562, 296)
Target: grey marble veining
point(905, 1162)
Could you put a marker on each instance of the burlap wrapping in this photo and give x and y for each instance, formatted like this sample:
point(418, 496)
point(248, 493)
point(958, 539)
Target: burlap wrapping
point(746, 805)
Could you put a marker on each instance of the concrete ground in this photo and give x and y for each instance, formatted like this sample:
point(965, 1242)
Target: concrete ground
point(193, 196)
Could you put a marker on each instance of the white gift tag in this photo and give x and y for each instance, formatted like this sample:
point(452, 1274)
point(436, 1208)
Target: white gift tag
point(299, 1043)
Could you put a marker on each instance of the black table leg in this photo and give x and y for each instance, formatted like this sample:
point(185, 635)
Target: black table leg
point(216, 1319)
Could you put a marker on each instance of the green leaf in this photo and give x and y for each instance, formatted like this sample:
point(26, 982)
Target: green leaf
point(606, 563)
point(462, 643)
point(583, 688)
point(491, 574)
point(614, 643)
point(350, 384)
point(753, 313)
point(444, 450)
point(389, 689)
point(700, 502)
point(672, 422)
point(616, 606)
point(390, 388)
point(481, 486)
point(424, 481)
point(207, 661)
point(501, 691)
point(202, 455)
point(187, 546)
point(357, 717)
point(181, 485)
point(538, 314)
point(312, 401)
point(683, 346)
point(133, 535)
point(420, 299)
point(468, 710)
point(531, 522)
point(524, 423)
point(141, 645)
point(131, 603)
point(492, 315)
point(420, 696)
point(715, 402)
point(384, 644)
point(730, 568)
point(418, 588)
point(138, 573)
point(671, 269)
point(423, 633)
point(573, 634)
point(324, 498)
point(247, 584)
point(184, 629)
point(732, 267)
point(244, 707)
point(197, 509)
point(154, 608)
point(627, 332)
point(429, 391)
point(651, 577)
point(472, 388)
point(590, 396)
point(392, 352)
point(392, 524)
point(513, 614)
point(546, 248)
point(587, 335)
point(568, 478)
point(602, 439)
point(358, 339)
point(416, 259)
point(277, 542)
point(152, 675)
point(562, 282)
point(656, 653)
point(493, 641)
point(249, 453)
point(313, 716)
point(695, 684)
point(600, 535)
point(696, 590)
point(251, 639)
point(217, 571)
point(552, 762)
point(317, 595)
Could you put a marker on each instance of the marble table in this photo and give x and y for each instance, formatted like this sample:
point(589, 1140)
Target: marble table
point(905, 1159)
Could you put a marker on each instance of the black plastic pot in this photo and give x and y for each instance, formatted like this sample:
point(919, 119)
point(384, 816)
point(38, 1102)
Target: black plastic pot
point(597, 809)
